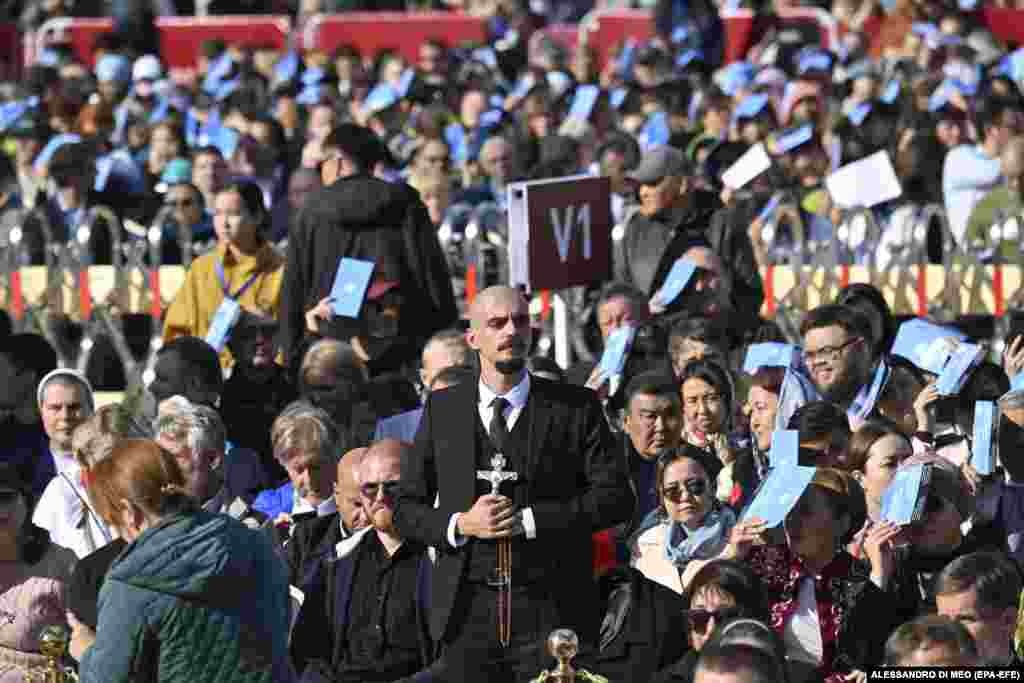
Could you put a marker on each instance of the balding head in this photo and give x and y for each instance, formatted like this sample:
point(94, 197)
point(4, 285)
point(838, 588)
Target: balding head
point(500, 330)
point(497, 158)
point(445, 349)
point(1012, 164)
point(346, 492)
point(379, 474)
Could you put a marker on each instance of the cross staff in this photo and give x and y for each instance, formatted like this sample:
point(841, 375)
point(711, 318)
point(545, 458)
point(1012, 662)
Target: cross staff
point(503, 572)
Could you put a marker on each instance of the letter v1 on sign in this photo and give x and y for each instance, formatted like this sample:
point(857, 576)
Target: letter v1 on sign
point(560, 232)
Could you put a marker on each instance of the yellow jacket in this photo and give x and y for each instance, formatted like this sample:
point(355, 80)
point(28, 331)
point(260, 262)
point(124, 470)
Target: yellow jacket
point(200, 295)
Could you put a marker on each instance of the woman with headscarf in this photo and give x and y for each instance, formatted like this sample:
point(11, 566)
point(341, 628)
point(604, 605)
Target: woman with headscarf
point(688, 525)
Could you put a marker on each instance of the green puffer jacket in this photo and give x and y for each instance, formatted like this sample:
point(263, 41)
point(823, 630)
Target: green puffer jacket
point(199, 598)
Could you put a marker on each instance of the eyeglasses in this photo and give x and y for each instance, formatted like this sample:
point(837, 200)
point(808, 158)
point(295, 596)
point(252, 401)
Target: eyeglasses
point(829, 353)
point(698, 619)
point(180, 203)
point(8, 496)
point(436, 161)
point(372, 489)
point(695, 487)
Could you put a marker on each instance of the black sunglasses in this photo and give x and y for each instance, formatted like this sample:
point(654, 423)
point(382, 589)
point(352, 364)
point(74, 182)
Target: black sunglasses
point(372, 488)
point(178, 203)
point(695, 487)
point(698, 619)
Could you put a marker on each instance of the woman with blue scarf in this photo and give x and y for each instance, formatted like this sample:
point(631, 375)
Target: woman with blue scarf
point(689, 527)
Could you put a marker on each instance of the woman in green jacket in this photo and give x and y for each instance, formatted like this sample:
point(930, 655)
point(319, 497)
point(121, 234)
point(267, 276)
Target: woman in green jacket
point(194, 597)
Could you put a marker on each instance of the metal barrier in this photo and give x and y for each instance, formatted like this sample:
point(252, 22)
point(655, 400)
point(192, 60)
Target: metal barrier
point(485, 249)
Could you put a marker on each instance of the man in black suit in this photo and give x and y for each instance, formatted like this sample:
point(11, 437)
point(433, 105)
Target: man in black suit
point(571, 481)
point(314, 539)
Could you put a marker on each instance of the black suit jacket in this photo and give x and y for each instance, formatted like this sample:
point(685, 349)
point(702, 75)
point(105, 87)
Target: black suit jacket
point(312, 541)
point(576, 484)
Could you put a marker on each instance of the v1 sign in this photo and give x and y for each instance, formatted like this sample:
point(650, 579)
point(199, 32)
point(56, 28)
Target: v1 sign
point(560, 232)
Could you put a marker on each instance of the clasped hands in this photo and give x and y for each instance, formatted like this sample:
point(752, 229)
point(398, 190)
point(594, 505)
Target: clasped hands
point(492, 516)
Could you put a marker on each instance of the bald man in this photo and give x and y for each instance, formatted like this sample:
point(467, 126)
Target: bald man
point(314, 539)
point(568, 483)
point(364, 613)
point(1000, 204)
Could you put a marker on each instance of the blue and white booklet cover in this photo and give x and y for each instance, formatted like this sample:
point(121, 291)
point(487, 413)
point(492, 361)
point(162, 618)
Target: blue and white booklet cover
point(778, 494)
point(954, 375)
point(680, 275)
point(785, 448)
point(904, 500)
point(350, 285)
point(616, 350)
point(985, 441)
point(223, 320)
point(768, 355)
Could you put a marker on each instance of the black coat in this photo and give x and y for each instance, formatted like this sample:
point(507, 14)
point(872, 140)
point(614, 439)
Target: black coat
point(576, 483)
point(651, 631)
point(249, 408)
point(312, 541)
point(651, 245)
point(366, 218)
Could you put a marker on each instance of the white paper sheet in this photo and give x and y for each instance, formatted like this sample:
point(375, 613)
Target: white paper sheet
point(753, 163)
point(864, 183)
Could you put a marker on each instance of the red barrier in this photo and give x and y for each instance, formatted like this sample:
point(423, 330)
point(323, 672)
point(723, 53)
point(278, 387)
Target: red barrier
point(606, 29)
point(372, 31)
point(180, 37)
point(1005, 24)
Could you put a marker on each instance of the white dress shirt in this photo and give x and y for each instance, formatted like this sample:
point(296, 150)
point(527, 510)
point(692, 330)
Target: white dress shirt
point(516, 398)
point(64, 511)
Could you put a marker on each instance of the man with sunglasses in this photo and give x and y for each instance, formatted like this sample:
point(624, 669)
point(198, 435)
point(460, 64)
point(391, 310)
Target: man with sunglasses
point(569, 480)
point(364, 613)
point(837, 351)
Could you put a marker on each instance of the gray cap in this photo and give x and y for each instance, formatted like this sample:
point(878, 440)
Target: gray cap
point(657, 163)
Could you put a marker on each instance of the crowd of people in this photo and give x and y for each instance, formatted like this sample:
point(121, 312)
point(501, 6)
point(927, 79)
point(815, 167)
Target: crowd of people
point(416, 491)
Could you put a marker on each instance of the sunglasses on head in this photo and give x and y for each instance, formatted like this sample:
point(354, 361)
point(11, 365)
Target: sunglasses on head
point(372, 488)
point(695, 487)
point(698, 619)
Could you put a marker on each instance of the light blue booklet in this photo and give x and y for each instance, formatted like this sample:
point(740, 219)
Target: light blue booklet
point(778, 494)
point(350, 285)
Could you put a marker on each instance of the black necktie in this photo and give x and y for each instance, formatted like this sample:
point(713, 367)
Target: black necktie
point(498, 429)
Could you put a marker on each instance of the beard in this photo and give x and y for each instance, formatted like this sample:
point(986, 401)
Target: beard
point(843, 388)
point(512, 366)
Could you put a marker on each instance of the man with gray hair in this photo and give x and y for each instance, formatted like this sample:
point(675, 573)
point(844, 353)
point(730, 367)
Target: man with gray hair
point(194, 434)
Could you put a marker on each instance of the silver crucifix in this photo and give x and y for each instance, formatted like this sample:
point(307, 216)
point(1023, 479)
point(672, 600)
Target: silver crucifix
point(497, 476)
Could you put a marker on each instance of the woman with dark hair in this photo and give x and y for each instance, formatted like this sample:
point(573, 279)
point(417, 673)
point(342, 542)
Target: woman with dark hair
point(243, 269)
point(689, 525)
point(723, 590)
point(812, 575)
point(867, 300)
point(707, 393)
point(178, 604)
point(876, 451)
point(33, 573)
point(761, 408)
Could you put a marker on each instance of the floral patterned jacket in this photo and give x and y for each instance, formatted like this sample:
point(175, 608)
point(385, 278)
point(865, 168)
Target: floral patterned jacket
point(853, 612)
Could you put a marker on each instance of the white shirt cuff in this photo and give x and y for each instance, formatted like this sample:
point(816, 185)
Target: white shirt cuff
point(455, 539)
point(529, 524)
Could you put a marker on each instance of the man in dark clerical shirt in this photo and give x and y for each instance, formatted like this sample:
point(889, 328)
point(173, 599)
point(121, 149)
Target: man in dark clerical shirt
point(364, 615)
point(315, 538)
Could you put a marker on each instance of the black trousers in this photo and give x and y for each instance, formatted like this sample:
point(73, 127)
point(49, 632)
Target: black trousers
point(474, 654)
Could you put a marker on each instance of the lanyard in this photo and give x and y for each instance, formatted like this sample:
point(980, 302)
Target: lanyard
point(224, 283)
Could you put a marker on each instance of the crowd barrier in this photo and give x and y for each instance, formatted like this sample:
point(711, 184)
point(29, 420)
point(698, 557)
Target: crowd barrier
point(180, 37)
point(402, 31)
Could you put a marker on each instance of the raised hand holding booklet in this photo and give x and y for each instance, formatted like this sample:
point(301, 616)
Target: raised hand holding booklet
point(350, 285)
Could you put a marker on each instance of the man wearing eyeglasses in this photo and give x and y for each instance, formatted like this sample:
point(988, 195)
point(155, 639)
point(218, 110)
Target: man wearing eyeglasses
point(837, 352)
point(364, 613)
point(187, 209)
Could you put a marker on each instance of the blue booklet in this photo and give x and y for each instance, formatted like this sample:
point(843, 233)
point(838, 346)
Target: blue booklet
point(954, 375)
point(768, 355)
point(904, 500)
point(616, 350)
point(583, 102)
point(223, 320)
point(778, 494)
point(925, 344)
point(680, 275)
point(785, 448)
point(350, 285)
point(791, 138)
point(985, 442)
